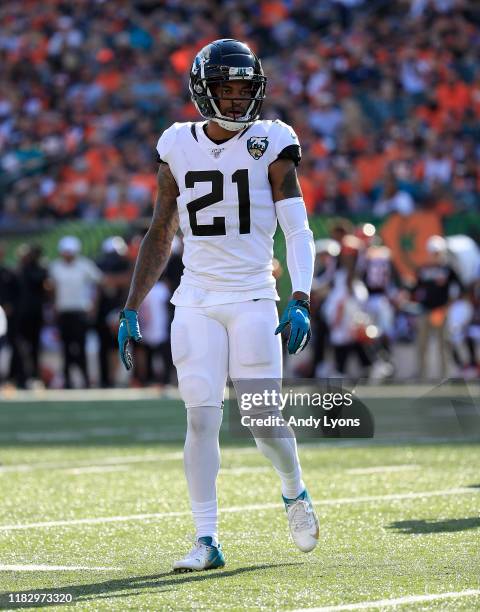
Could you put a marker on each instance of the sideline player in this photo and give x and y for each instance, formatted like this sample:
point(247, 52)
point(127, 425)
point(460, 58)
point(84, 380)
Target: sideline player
point(226, 181)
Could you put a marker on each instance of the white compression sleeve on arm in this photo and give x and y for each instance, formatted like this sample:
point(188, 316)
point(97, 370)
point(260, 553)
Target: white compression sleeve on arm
point(292, 216)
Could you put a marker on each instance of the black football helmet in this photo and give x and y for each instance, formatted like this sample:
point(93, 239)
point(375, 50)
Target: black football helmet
point(220, 61)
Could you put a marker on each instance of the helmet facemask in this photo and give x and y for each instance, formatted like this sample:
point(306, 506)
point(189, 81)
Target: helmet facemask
point(247, 112)
point(206, 80)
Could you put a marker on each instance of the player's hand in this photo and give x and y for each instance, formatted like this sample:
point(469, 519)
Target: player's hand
point(297, 315)
point(129, 329)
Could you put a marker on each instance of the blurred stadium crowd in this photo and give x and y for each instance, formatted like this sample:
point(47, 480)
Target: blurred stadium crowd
point(385, 97)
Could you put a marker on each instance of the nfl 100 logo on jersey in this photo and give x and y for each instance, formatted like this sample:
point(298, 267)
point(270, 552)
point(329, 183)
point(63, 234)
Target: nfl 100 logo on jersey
point(217, 151)
point(257, 145)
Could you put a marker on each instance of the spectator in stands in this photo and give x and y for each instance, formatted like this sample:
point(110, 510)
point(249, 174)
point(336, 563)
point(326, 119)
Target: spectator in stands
point(116, 267)
point(326, 261)
point(9, 295)
point(3, 328)
point(382, 285)
point(32, 279)
point(433, 291)
point(82, 104)
point(473, 329)
point(345, 310)
point(74, 279)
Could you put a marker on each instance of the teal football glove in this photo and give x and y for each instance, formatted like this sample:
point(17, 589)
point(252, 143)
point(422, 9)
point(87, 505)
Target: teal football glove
point(297, 315)
point(129, 329)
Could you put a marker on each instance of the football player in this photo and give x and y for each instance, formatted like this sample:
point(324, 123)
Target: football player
point(226, 181)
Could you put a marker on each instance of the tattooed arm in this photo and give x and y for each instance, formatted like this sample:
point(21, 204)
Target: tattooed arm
point(292, 216)
point(155, 248)
point(283, 180)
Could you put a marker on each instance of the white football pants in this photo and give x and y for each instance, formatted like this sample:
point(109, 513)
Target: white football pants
point(209, 343)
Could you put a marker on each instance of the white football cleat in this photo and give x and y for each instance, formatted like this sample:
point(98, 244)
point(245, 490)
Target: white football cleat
point(203, 556)
point(303, 521)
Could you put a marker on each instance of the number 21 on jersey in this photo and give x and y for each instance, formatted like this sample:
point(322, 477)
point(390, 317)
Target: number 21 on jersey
point(216, 178)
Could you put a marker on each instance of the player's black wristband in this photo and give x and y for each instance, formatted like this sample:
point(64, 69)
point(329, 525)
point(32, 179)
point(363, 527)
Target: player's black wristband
point(122, 313)
point(303, 304)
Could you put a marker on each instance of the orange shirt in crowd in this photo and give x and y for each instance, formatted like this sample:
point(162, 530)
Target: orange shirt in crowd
point(370, 169)
point(272, 12)
point(100, 159)
point(308, 190)
point(182, 59)
point(318, 150)
point(75, 183)
point(126, 211)
point(146, 181)
point(110, 80)
point(455, 97)
point(437, 119)
point(444, 207)
point(476, 98)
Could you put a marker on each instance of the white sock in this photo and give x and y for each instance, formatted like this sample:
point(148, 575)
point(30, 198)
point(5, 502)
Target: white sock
point(283, 454)
point(205, 516)
point(202, 462)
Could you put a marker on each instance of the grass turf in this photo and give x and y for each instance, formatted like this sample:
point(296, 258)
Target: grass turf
point(64, 462)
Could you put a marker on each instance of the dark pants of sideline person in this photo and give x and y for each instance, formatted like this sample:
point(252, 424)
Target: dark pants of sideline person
point(16, 370)
point(107, 344)
point(343, 352)
point(164, 350)
point(30, 333)
point(73, 332)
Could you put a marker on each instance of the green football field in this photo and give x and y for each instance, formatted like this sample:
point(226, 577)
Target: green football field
point(94, 507)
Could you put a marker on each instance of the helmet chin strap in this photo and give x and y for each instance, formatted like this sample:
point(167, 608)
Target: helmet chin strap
point(222, 121)
point(231, 126)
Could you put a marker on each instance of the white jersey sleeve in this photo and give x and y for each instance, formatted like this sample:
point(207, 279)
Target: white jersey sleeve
point(285, 143)
point(165, 143)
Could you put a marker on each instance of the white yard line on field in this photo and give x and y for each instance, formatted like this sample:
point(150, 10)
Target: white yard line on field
point(104, 469)
point(52, 568)
point(379, 469)
point(232, 509)
point(398, 601)
point(121, 460)
point(85, 396)
point(127, 459)
point(57, 436)
point(97, 469)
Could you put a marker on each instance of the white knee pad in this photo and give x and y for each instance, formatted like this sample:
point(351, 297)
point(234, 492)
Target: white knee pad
point(253, 341)
point(199, 352)
point(195, 390)
point(255, 351)
point(180, 342)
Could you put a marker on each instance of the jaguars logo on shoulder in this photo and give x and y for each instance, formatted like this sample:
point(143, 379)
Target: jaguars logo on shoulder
point(257, 145)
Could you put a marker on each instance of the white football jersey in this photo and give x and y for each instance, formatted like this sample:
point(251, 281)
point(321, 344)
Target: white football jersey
point(227, 214)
